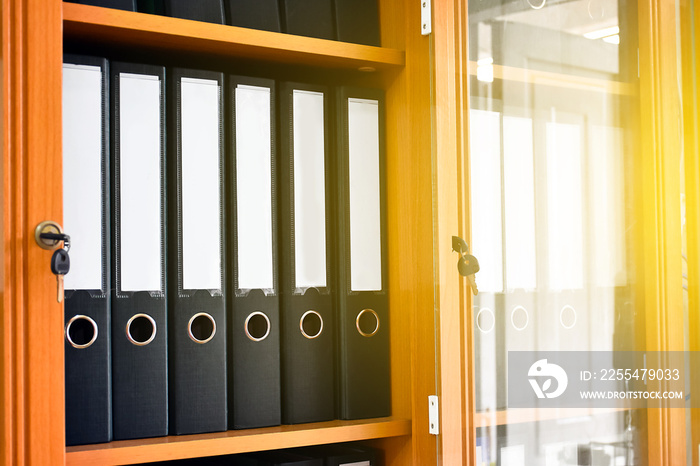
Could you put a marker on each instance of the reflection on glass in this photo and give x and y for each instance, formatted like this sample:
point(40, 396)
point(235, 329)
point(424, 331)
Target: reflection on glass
point(513, 455)
point(551, 160)
point(485, 165)
point(564, 209)
point(607, 201)
point(519, 196)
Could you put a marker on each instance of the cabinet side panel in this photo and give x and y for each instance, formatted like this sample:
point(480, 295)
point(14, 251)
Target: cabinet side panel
point(32, 355)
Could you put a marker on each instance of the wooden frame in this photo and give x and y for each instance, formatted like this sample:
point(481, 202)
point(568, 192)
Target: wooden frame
point(427, 108)
point(32, 321)
point(660, 211)
point(453, 301)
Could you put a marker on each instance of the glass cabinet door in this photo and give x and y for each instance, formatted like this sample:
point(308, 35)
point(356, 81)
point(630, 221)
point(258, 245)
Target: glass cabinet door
point(556, 189)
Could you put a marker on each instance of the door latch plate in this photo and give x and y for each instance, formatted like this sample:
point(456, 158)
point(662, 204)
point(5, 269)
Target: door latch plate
point(434, 414)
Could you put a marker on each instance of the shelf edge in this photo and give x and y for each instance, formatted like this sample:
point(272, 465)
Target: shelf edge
point(231, 442)
point(161, 32)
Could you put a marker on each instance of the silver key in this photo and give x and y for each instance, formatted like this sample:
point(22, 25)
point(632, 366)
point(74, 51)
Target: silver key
point(61, 290)
point(472, 284)
point(467, 265)
point(60, 265)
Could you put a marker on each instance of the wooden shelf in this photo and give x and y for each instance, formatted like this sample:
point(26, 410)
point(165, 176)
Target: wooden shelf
point(518, 416)
point(235, 441)
point(117, 27)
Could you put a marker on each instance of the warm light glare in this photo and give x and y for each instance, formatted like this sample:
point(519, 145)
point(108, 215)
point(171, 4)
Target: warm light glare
point(612, 39)
point(600, 33)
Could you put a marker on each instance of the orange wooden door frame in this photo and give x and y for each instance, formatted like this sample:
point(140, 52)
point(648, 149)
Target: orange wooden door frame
point(32, 320)
point(660, 147)
point(451, 213)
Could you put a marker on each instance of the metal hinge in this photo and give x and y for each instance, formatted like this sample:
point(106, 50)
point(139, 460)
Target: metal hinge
point(434, 414)
point(426, 21)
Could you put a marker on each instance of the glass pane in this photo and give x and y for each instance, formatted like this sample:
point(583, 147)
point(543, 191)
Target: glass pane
point(552, 182)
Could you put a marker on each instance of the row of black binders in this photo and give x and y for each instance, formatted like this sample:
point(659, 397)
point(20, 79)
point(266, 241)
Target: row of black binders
point(355, 21)
point(221, 277)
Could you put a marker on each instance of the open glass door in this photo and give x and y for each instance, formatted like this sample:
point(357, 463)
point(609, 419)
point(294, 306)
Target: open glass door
point(552, 147)
point(575, 254)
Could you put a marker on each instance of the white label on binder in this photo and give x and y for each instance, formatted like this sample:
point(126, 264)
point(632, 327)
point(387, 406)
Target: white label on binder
point(82, 174)
point(254, 188)
point(309, 190)
point(201, 184)
point(140, 182)
point(365, 221)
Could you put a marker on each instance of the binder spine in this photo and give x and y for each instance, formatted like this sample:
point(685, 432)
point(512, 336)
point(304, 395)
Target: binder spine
point(254, 324)
point(88, 371)
point(196, 316)
point(307, 314)
point(87, 311)
point(363, 309)
point(357, 21)
point(261, 14)
point(254, 367)
point(210, 11)
point(153, 7)
point(139, 326)
point(312, 18)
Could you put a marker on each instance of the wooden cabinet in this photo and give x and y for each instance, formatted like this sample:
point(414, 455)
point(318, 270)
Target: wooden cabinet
point(34, 33)
point(426, 84)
